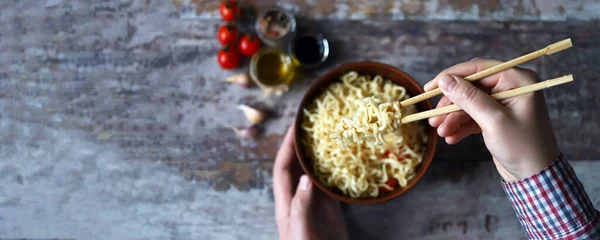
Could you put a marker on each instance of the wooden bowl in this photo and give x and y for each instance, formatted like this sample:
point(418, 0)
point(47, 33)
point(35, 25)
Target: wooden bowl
point(371, 68)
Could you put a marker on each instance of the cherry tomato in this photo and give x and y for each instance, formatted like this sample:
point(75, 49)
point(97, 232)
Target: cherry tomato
point(228, 58)
point(227, 34)
point(249, 45)
point(386, 154)
point(229, 10)
point(391, 182)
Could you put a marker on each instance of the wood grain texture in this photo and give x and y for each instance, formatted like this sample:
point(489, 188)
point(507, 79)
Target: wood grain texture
point(413, 9)
point(154, 88)
point(135, 75)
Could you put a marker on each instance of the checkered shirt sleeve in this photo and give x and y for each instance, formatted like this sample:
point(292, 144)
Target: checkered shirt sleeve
point(553, 204)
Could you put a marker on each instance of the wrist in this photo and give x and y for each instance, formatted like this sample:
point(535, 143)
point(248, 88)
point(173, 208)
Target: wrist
point(524, 168)
point(506, 175)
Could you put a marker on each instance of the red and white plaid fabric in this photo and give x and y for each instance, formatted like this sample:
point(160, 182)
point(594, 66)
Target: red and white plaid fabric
point(553, 204)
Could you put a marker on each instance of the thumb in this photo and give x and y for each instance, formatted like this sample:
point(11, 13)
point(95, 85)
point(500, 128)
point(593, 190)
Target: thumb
point(300, 212)
point(302, 201)
point(479, 105)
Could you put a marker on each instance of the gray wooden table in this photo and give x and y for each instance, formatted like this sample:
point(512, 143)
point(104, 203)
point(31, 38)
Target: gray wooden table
point(114, 115)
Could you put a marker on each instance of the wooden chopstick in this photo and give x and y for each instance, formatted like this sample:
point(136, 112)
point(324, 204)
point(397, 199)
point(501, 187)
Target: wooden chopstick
point(499, 96)
point(550, 49)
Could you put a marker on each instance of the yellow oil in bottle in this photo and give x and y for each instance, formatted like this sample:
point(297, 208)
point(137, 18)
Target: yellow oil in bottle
point(272, 68)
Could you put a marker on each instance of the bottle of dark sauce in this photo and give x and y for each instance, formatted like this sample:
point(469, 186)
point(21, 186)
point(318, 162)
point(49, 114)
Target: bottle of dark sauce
point(308, 49)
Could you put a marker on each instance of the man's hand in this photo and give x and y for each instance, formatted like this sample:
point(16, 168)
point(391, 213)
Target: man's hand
point(517, 131)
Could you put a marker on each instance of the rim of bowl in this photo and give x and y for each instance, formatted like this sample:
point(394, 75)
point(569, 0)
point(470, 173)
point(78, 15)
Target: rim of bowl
point(333, 76)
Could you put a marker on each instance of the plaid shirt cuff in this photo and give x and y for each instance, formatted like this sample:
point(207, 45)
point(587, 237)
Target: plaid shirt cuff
point(553, 204)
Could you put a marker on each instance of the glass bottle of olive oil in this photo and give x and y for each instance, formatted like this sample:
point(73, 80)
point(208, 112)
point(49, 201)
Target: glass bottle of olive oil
point(272, 69)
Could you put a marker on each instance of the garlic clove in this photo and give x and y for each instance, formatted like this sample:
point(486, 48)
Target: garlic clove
point(247, 132)
point(252, 114)
point(241, 79)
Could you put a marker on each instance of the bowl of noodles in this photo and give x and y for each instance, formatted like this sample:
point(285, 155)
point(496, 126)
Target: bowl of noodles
point(349, 164)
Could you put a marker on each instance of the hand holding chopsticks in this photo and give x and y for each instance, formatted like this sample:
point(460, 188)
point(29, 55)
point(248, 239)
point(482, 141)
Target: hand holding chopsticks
point(498, 96)
point(553, 48)
point(518, 133)
point(550, 49)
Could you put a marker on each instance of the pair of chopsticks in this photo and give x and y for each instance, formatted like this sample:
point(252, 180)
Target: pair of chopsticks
point(550, 49)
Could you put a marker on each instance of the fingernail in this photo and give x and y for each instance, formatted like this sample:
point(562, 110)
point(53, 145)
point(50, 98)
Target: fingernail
point(304, 182)
point(427, 85)
point(447, 83)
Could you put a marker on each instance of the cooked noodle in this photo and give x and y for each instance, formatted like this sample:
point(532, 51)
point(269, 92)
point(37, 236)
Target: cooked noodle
point(381, 149)
point(370, 122)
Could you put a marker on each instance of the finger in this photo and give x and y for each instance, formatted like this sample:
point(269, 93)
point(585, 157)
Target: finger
point(472, 66)
point(282, 178)
point(301, 209)
point(485, 110)
point(430, 85)
point(283, 161)
point(463, 132)
point(461, 69)
point(465, 69)
point(437, 120)
point(302, 201)
point(452, 123)
point(514, 78)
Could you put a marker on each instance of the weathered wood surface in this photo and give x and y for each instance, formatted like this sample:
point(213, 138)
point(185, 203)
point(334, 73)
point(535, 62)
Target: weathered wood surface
point(414, 9)
point(135, 77)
